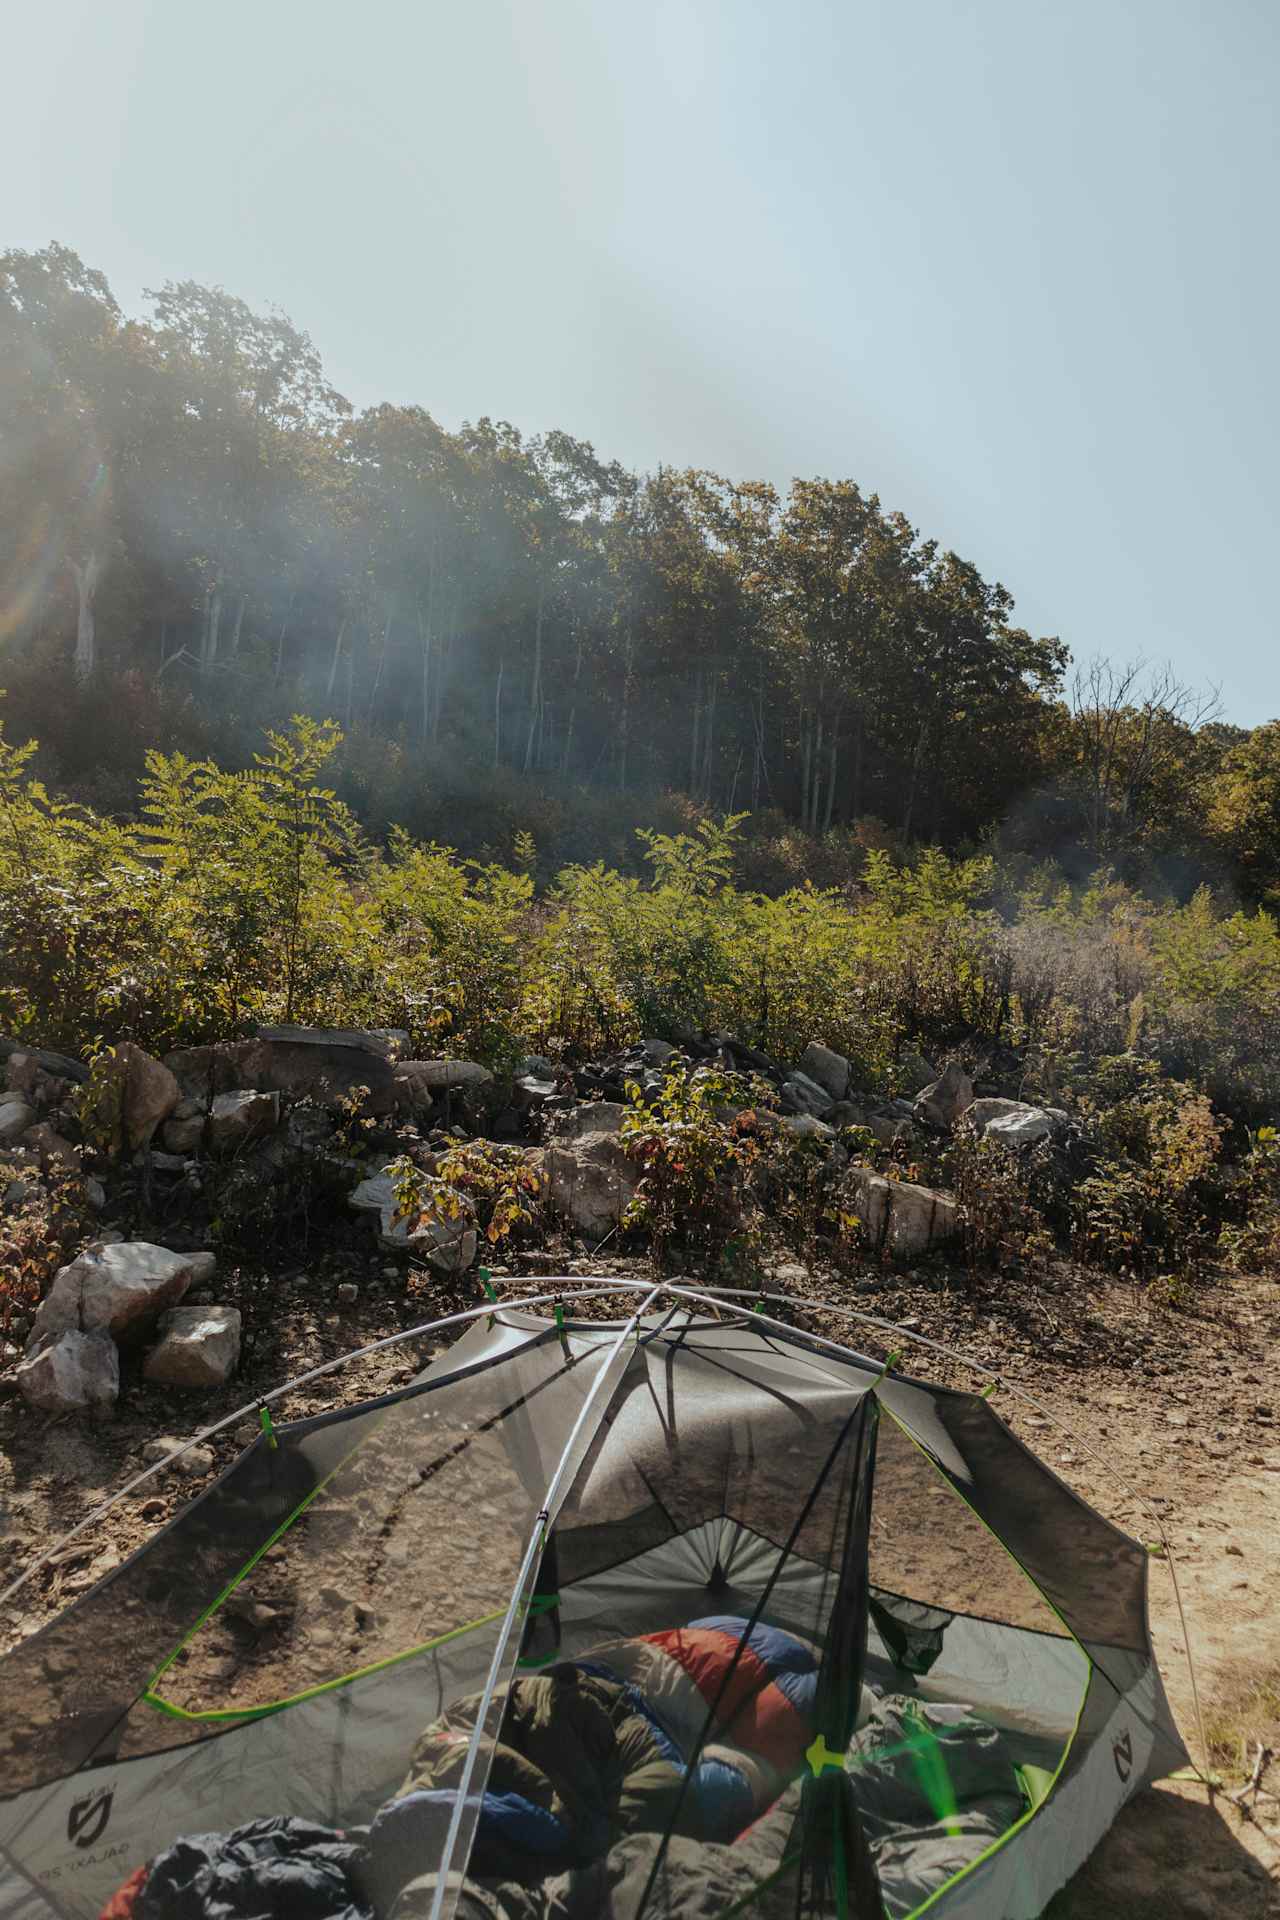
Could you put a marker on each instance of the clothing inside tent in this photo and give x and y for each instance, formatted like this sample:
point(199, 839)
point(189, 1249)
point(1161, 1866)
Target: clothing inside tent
point(682, 1615)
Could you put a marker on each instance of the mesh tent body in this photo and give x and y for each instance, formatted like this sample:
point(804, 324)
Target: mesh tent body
point(546, 1490)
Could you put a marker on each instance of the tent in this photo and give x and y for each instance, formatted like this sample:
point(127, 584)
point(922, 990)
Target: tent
point(687, 1613)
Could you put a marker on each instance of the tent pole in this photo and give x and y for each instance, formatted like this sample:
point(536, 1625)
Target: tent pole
point(537, 1538)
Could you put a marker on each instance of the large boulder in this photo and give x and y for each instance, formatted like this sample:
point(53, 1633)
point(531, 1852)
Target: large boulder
point(950, 1095)
point(591, 1179)
point(322, 1064)
point(133, 1094)
point(76, 1373)
point(120, 1290)
point(592, 1118)
point(238, 1117)
point(902, 1219)
point(830, 1070)
point(385, 1043)
point(198, 1347)
point(447, 1243)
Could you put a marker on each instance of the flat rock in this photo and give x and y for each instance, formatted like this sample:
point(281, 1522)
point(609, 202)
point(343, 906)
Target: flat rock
point(118, 1289)
point(60, 1065)
point(443, 1076)
point(384, 1042)
point(830, 1070)
point(198, 1347)
point(75, 1373)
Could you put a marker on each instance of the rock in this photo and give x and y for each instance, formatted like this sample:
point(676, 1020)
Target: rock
point(656, 1053)
point(181, 1458)
point(166, 1162)
point(585, 1122)
point(203, 1264)
point(443, 1076)
point(901, 1218)
point(56, 1154)
point(941, 1104)
point(75, 1373)
point(135, 1094)
point(808, 1127)
point(830, 1070)
point(183, 1133)
point(448, 1244)
point(800, 1094)
point(529, 1092)
point(385, 1043)
point(15, 1117)
point(96, 1194)
point(1019, 1125)
point(591, 1180)
point(846, 1113)
point(913, 1072)
point(60, 1065)
point(348, 1293)
point(119, 1289)
point(22, 1074)
point(322, 1064)
point(888, 1125)
point(238, 1117)
point(198, 1347)
point(983, 1112)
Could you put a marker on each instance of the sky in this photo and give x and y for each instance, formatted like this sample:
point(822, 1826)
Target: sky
point(1010, 264)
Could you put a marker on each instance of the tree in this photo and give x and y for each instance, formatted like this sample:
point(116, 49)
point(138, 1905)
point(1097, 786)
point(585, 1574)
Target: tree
point(1131, 728)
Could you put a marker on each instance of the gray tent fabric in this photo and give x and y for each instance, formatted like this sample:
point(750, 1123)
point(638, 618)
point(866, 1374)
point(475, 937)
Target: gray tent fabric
point(845, 1616)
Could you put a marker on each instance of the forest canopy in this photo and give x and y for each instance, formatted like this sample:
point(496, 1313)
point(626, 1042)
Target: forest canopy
point(199, 537)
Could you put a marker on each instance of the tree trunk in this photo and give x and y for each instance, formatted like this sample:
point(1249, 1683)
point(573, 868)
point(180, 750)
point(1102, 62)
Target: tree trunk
point(284, 628)
point(86, 578)
point(916, 758)
point(236, 630)
point(497, 716)
point(805, 757)
point(535, 690)
point(337, 655)
point(831, 778)
point(816, 787)
point(709, 733)
point(694, 761)
point(212, 622)
point(624, 726)
point(379, 669)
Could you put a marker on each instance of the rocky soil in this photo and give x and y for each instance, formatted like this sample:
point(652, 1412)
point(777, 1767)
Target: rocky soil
point(1180, 1407)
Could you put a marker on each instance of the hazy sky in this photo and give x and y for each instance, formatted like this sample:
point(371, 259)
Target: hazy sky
point(1012, 263)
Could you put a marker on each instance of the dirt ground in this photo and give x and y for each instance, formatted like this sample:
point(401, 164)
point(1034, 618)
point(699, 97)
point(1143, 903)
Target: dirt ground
point(1184, 1403)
